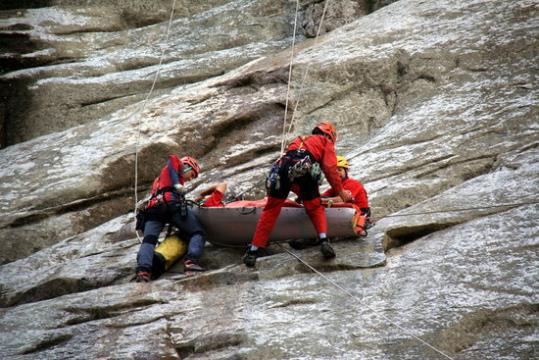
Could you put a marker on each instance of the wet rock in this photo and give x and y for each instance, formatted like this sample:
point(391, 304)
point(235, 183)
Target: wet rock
point(436, 108)
point(26, 238)
point(81, 63)
point(334, 15)
point(378, 4)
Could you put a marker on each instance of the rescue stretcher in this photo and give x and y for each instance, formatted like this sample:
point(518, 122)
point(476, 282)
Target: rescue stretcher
point(234, 224)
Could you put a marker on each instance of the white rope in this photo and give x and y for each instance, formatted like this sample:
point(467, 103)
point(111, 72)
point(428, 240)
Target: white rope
point(144, 106)
point(348, 292)
point(289, 76)
point(302, 86)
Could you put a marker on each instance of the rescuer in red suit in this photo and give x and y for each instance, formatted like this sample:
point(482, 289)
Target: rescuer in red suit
point(299, 169)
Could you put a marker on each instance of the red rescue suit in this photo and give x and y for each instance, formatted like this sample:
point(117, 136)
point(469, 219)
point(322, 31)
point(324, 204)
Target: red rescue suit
point(356, 188)
point(214, 200)
point(318, 149)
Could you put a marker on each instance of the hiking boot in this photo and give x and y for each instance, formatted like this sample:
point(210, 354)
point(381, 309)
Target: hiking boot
point(249, 259)
point(192, 265)
point(327, 250)
point(143, 276)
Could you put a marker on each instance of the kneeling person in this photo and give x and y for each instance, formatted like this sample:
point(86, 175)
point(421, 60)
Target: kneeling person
point(167, 205)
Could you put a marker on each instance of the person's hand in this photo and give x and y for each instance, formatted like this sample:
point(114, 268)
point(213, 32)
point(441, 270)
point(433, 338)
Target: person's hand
point(346, 195)
point(328, 202)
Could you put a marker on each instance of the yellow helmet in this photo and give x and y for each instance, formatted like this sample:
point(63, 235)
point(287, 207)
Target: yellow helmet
point(342, 162)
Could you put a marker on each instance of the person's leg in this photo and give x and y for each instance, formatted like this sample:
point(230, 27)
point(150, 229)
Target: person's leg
point(191, 228)
point(316, 212)
point(264, 226)
point(277, 187)
point(267, 221)
point(310, 195)
point(152, 228)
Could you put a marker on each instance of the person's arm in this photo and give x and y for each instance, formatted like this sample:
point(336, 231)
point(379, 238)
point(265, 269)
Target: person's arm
point(221, 187)
point(175, 171)
point(329, 197)
point(207, 191)
point(329, 166)
point(329, 201)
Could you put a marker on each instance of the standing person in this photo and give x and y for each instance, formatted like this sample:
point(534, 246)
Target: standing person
point(167, 205)
point(299, 169)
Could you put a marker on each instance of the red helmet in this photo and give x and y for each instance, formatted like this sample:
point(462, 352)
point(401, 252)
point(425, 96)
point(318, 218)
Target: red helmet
point(192, 163)
point(328, 129)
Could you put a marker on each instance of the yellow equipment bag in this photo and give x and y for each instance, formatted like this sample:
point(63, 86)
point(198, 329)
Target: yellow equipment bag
point(172, 249)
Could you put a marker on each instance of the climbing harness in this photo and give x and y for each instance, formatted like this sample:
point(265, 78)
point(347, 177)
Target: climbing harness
point(302, 164)
point(349, 293)
point(158, 198)
point(182, 205)
point(294, 164)
point(143, 107)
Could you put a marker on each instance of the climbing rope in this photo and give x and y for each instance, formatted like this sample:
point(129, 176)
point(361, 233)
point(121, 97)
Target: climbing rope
point(289, 76)
point(349, 293)
point(485, 207)
point(302, 85)
point(143, 107)
point(467, 209)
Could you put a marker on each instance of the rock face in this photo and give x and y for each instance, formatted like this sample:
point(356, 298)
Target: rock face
point(436, 107)
point(102, 57)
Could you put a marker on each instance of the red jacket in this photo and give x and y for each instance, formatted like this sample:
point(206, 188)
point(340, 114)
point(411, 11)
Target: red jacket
point(356, 188)
point(170, 175)
point(214, 200)
point(323, 152)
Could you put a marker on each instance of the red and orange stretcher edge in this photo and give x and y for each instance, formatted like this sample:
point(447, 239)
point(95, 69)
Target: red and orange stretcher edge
point(235, 223)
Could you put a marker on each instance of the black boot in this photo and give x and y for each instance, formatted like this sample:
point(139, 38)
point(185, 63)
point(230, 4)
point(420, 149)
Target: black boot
point(326, 249)
point(249, 259)
point(143, 276)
